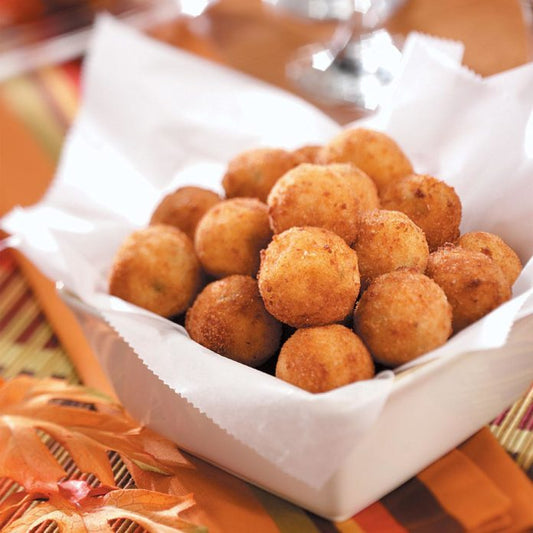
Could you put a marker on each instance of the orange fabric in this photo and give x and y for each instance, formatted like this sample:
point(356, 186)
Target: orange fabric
point(224, 503)
point(481, 487)
point(227, 501)
point(25, 169)
point(375, 517)
point(178, 33)
point(485, 451)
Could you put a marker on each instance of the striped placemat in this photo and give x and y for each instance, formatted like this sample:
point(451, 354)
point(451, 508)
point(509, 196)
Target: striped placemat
point(27, 343)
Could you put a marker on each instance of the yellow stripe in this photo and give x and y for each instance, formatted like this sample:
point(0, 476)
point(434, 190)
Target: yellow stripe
point(521, 444)
point(349, 526)
point(504, 430)
point(64, 93)
point(41, 363)
point(18, 325)
point(517, 441)
point(286, 516)
point(18, 355)
point(5, 272)
point(24, 98)
point(16, 288)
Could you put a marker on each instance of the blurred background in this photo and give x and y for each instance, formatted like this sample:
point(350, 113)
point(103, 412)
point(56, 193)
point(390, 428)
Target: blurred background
point(333, 52)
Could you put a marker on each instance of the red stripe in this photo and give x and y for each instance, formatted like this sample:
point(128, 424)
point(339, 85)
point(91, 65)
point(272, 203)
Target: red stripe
point(500, 418)
point(72, 69)
point(30, 329)
point(15, 308)
point(6, 259)
point(527, 420)
point(51, 343)
point(375, 518)
point(8, 280)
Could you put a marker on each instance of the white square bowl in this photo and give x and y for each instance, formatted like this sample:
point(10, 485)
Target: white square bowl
point(432, 409)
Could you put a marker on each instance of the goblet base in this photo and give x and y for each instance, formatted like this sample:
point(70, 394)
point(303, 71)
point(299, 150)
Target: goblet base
point(359, 74)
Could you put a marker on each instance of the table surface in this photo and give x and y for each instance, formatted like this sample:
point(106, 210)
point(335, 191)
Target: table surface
point(260, 41)
point(252, 38)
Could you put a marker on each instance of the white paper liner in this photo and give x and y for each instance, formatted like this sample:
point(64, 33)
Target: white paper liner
point(168, 118)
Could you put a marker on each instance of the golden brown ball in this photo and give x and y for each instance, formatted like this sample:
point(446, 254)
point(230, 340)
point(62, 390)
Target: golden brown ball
point(309, 153)
point(430, 203)
point(494, 247)
point(230, 236)
point(402, 315)
point(309, 277)
point(184, 208)
point(323, 358)
point(156, 268)
point(326, 196)
point(375, 153)
point(388, 240)
point(252, 174)
point(229, 317)
point(474, 284)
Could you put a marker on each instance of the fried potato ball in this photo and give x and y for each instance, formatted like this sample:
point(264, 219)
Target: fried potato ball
point(308, 277)
point(474, 284)
point(184, 208)
point(375, 153)
point(388, 240)
point(494, 247)
point(430, 203)
point(401, 315)
point(253, 173)
point(156, 268)
point(323, 358)
point(229, 317)
point(309, 153)
point(230, 236)
point(326, 196)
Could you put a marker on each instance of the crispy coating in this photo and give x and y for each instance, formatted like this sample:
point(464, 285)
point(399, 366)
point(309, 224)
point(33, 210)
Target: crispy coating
point(327, 196)
point(229, 317)
point(494, 247)
point(401, 315)
point(323, 358)
point(375, 153)
point(388, 240)
point(308, 277)
point(184, 208)
point(252, 174)
point(309, 153)
point(430, 203)
point(474, 284)
point(230, 236)
point(156, 268)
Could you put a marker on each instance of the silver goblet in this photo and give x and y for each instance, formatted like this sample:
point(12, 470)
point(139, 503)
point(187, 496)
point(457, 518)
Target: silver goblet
point(359, 61)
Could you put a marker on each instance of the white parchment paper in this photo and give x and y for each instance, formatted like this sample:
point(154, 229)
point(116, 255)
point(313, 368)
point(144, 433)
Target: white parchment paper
point(154, 118)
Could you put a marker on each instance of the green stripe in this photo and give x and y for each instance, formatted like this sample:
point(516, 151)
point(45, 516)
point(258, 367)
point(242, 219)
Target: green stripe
point(26, 100)
point(288, 517)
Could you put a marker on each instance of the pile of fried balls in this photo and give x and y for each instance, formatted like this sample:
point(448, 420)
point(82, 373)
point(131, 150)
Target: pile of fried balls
point(325, 261)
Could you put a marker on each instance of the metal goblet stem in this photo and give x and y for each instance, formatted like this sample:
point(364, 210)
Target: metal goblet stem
point(358, 63)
